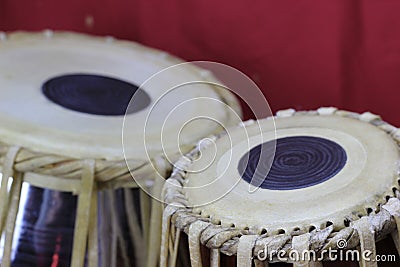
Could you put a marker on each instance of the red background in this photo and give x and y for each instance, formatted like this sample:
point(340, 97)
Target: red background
point(302, 54)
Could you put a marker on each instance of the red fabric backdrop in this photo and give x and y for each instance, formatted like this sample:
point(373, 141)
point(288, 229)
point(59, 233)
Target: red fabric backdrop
point(302, 54)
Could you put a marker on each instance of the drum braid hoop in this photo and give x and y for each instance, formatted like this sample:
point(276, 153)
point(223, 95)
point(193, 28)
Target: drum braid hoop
point(226, 239)
point(109, 173)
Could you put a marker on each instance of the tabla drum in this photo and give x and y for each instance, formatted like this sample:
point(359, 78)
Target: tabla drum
point(287, 190)
point(67, 196)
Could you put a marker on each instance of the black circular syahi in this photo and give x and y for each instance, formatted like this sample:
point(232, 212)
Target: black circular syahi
point(298, 162)
point(95, 94)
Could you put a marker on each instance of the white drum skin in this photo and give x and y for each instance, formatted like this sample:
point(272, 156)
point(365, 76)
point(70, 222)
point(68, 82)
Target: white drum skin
point(218, 208)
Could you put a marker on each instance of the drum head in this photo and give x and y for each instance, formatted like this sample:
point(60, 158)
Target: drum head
point(325, 169)
point(67, 94)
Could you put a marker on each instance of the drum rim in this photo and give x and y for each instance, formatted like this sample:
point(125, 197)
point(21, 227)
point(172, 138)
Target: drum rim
point(109, 155)
point(381, 219)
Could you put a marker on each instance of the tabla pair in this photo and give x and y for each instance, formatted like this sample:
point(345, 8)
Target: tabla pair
point(63, 101)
